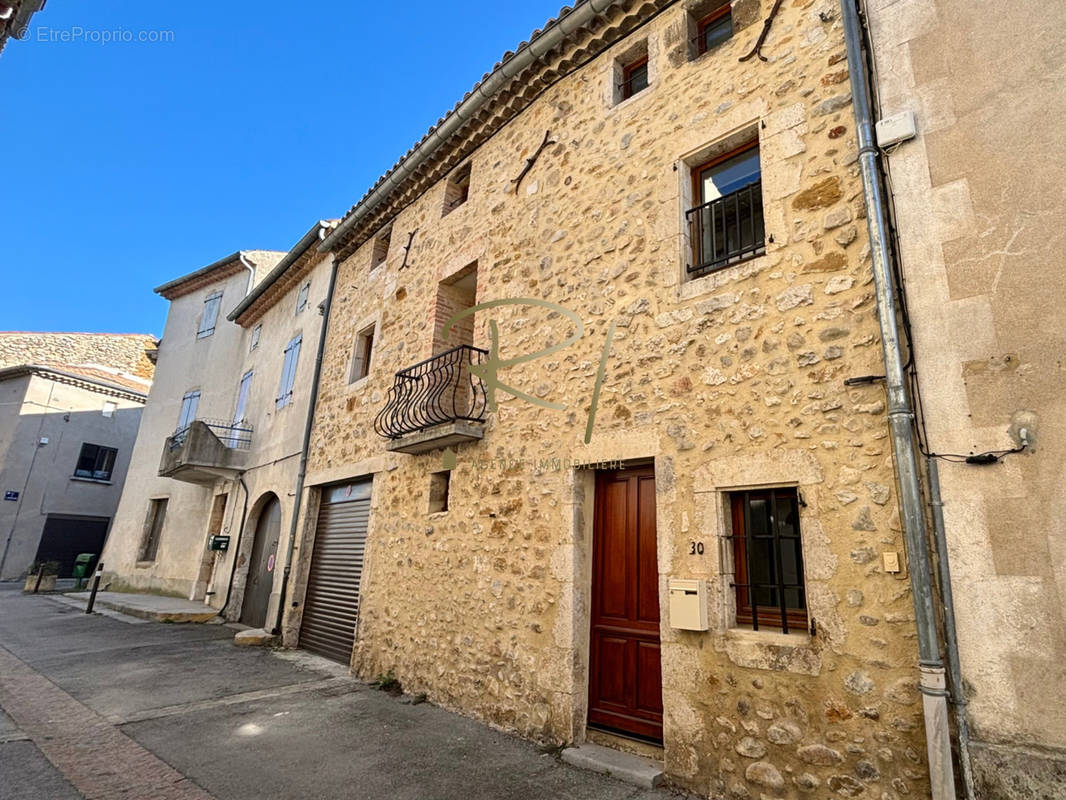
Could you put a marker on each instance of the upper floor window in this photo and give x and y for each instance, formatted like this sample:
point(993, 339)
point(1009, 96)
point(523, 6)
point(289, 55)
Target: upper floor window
point(210, 316)
point(95, 462)
point(381, 248)
point(457, 189)
point(768, 559)
point(288, 372)
point(257, 331)
point(726, 222)
point(713, 29)
point(364, 346)
point(301, 298)
point(189, 402)
point(635, 77)
point(242, 398)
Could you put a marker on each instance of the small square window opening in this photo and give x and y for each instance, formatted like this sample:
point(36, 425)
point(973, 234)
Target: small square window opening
point(714, 29)
point(457, 189)
point(634, 78)
point(381, 249)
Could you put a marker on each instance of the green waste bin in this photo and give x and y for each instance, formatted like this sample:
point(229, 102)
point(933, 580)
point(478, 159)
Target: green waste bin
point(82, 566)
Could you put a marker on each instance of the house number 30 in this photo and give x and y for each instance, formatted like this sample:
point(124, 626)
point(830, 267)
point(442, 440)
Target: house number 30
point(695, 548)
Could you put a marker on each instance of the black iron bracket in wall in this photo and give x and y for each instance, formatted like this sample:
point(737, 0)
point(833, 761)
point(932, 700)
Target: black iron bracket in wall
point(407, 249)
point(762, 36)
point(532, 160)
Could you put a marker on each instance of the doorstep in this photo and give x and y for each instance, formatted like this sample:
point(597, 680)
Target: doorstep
point(638, 770)
point(154, 607)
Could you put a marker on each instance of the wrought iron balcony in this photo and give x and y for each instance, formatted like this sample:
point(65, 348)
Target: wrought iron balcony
point(205, 450)
point(727, 230)
point(435, 403)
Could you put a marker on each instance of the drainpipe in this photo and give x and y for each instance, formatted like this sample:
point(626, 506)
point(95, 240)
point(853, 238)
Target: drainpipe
point(308, 423)
point(932, 682)
point(236, 547)
point(951, 641)
point(248, 265)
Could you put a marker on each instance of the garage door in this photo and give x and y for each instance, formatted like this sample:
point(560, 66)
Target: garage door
point(331, 605)
point(67, 536)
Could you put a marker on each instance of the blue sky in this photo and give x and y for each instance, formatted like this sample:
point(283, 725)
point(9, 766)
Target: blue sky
point(128, 164)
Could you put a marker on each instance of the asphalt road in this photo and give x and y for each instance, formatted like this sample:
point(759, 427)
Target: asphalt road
point(97, 707)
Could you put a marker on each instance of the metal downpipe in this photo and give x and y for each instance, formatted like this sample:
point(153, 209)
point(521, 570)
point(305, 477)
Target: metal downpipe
point(932, 682)
point(951, 640)
point(301, 473)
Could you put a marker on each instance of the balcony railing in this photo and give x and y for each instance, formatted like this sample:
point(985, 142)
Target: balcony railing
point(727, 230)
point(233, 435)
point(437, 391)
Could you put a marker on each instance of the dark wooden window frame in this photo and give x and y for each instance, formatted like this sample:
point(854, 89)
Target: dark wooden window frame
point(703, 24)
point(101, 455)
point(627, 77)
point(793, 619)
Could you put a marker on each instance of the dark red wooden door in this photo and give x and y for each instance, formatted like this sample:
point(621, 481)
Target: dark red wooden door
point(625, 676)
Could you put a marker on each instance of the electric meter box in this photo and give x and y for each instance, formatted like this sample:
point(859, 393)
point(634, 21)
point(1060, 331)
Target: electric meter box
point(688, 604)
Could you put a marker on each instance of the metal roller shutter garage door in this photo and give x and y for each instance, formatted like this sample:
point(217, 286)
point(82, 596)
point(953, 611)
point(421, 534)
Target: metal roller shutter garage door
point(331, 605)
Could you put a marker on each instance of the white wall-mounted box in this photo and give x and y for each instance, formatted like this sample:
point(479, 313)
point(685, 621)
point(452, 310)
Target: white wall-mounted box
point(896, 129)
point(688, 604)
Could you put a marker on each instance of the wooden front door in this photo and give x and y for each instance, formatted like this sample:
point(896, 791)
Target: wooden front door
point(625, 677)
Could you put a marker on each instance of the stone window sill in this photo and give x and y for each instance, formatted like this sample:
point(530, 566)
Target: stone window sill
point(144, 564)
point(770, 650)
point(91, 480)
point(713, 281)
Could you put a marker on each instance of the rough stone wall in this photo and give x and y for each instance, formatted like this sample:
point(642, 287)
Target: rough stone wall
point(730, 380)
point(978, 195)
point(124, 352)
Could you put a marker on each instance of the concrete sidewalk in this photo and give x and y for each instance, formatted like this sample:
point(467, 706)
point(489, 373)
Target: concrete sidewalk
point(191, 715)
point(154, 607)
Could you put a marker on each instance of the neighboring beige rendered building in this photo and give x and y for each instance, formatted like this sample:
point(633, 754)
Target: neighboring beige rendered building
point(979, 201)
point(693, 223)
point(218, 450)
point(70, 404)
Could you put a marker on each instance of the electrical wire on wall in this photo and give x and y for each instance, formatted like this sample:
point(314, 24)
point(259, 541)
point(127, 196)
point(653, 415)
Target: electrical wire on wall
point(911, 368)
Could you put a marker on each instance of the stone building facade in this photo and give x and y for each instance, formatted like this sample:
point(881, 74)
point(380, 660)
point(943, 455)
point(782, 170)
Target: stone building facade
point(224, 465)
point(482, 581)
point(977, 197)
point(129, 354)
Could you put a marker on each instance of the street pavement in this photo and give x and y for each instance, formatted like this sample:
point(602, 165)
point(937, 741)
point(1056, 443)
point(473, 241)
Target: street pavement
point(105, 708)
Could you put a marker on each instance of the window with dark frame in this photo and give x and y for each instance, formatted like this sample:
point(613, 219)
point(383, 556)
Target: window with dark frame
point(457, 189)
point(364, 348)
point(726, 223)
point(714, 29)
point(768, 559)
point(634, 77)
point(95, 462)
point(381, 248)
point(153, 528)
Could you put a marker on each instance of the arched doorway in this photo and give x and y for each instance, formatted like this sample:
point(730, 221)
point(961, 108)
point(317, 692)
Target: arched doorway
point(261, 566)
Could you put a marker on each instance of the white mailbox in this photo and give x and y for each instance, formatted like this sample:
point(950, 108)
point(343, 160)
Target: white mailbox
point(688, 605)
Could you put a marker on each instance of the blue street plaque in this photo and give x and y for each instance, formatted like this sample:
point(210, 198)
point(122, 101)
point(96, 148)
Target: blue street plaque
point(11, 495)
